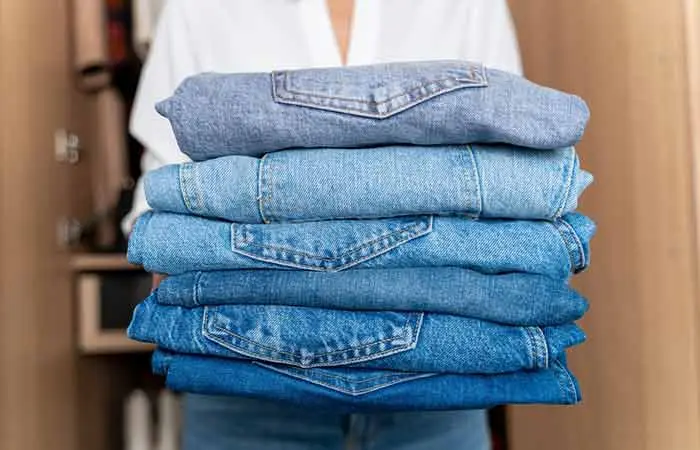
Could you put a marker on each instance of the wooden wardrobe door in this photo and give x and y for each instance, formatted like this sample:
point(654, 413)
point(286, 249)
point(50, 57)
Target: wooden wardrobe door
point(639, 370)
point(37, 362)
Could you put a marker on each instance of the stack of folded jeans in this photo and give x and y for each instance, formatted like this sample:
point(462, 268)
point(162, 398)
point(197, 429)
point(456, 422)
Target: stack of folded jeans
point(375, 238)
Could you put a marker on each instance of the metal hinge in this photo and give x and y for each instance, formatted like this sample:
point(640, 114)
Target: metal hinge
point(66, 147)
point(69, 231)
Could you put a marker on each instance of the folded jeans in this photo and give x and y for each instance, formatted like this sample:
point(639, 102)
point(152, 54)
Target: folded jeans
point(358, 390)
point(478, 181)
point(173, 244)
point(419, 103)
point(513, 299)
point(315, 337)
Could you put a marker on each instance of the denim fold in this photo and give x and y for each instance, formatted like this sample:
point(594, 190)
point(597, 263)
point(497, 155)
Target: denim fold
point(174, 244)
point(359, 390)
point(415, 103)
point(388, 340)
point(478, 181)
point(513, 299)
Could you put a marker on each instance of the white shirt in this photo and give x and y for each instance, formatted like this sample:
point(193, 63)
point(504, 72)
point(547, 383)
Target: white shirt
point(262, 35)
point(145, 15)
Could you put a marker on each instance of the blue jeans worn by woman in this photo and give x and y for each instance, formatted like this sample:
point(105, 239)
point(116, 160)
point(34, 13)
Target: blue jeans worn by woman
point(230, 423)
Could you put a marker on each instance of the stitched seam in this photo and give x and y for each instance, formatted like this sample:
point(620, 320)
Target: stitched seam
point(478, 181)
point(197, 291)
point(347, 379)
point(567, 231)
point(568, 391)
point(405, 230)
point(314, 364)
point(350, 380)
point(394, 214)
point(461, 83)
point(537, 351)
point(183, 186)
point(567, 187)
point(340, 389)
point(405, 327)
point(317, 267)
point(529, 345)
point(198, 186)
point(572, 263)
point(262, 193)
point(579, 244)
point(346, 109)
point(543, 351)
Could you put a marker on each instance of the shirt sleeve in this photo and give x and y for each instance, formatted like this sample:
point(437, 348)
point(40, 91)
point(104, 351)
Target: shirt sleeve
point(172, 58)
point(497, 43)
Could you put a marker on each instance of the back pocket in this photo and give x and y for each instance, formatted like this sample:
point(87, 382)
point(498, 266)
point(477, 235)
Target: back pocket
point(310, 337)
point(378, 91)
point(354, 382)
point(326, 246)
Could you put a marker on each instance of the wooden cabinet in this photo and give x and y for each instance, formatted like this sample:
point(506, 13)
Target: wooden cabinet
point(37, 365)
point(635, 62)
point(50, 396)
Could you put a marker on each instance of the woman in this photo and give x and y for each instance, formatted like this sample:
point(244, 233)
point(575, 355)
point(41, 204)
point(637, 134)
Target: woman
point(264, 35)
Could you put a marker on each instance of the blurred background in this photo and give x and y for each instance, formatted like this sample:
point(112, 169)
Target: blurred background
point(70, 379)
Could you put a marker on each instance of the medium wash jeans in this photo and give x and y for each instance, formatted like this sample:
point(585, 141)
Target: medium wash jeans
point(387, 340)
point(173, 244)
point(345, 390)
point(513, 299)
point(321, 184)
point(419, 103)
point(237, 423)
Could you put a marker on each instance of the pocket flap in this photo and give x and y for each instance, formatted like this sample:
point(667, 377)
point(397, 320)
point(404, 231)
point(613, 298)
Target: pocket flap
point(378, 91)
point(325, 246)
point(348, 381)
point(310, 337)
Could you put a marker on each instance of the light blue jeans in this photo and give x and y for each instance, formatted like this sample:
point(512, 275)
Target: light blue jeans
point(173, 244)
point(235, 423)
point(477, 181)
point(419, 103)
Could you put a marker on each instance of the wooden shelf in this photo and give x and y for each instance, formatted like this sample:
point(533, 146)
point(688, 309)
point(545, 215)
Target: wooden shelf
point(111, 342)
point(85, 262)
point(93, 339)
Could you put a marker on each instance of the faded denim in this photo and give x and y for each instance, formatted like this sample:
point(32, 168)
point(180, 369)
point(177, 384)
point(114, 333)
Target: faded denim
point(419, 103)
point(345, 390)
point(514, 299)
point(320, 184)
point(315, 337)
point(173, 244)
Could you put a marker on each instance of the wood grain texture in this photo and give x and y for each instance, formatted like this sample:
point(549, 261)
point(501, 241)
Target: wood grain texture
point(37, 357)
point(639, 370)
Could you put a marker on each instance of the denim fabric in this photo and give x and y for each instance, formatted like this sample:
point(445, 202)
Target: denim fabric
point(357, 390)
point(422, 103)
point(235, 423)
point(172, 244)
point(515, 299)
point(315, 337)
point(321, 184)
